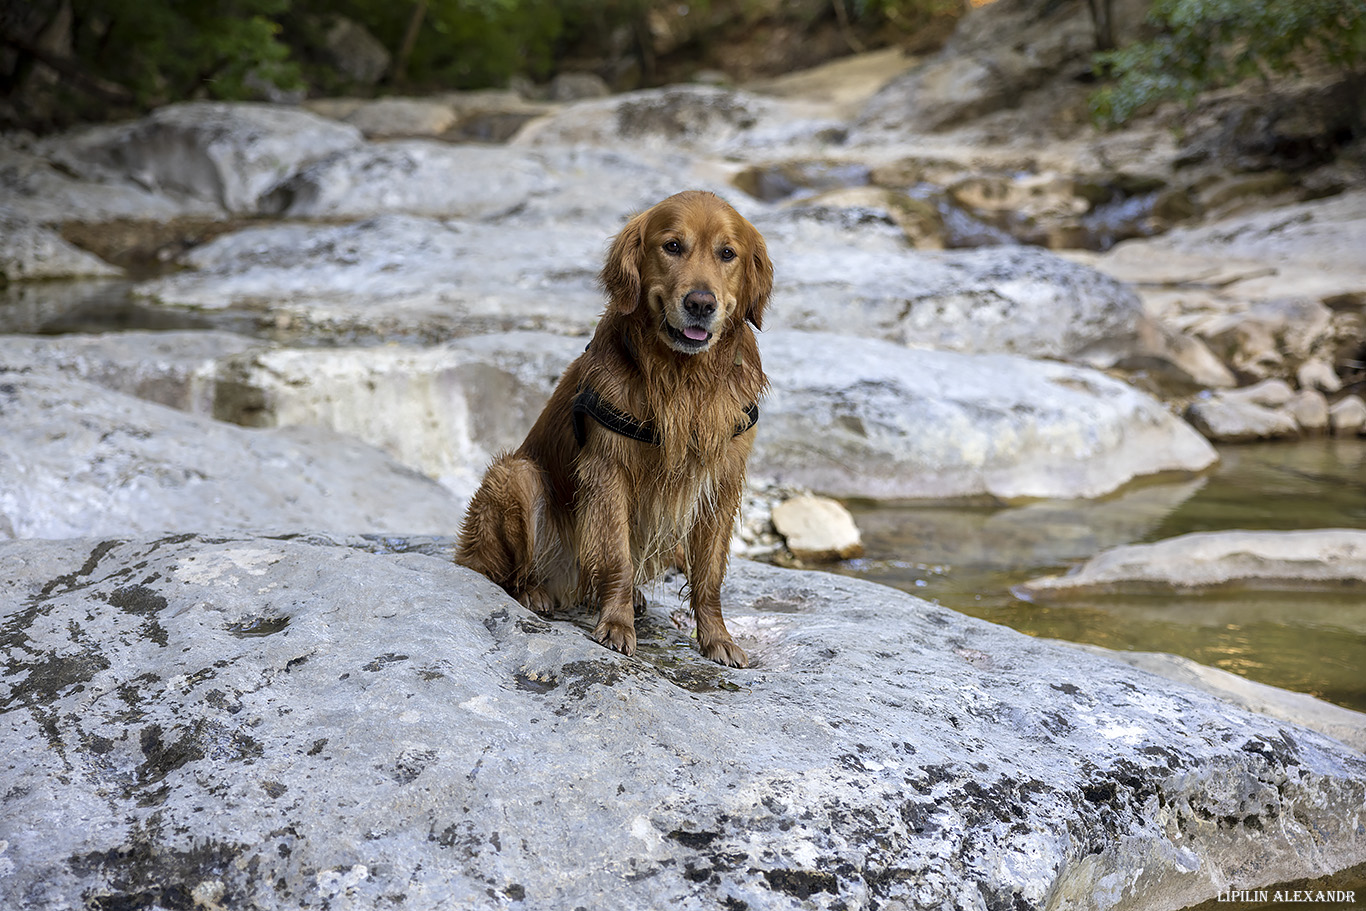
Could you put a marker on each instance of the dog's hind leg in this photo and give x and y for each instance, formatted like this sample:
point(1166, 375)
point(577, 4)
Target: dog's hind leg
point(498, 537)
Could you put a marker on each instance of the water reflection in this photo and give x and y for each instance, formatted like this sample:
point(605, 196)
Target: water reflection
point(104, 305)
point(969, 557)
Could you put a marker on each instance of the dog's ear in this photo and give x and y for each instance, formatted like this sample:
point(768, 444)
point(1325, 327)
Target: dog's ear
point(758, 279)
point(620, 276)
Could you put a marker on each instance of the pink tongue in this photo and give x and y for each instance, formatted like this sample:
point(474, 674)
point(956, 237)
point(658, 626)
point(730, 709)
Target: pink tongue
point(696, 334)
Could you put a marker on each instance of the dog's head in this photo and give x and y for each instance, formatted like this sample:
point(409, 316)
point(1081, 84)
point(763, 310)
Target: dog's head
point(695, 266)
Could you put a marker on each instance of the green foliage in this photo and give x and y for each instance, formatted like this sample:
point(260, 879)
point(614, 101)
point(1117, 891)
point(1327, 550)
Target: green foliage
point(899, 10)
point(1204, 44)
point(461, 43)
point(171, 49)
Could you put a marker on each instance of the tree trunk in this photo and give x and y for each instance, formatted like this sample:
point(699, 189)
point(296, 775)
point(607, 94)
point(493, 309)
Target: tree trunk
point(1102, 19)
point(405, 50)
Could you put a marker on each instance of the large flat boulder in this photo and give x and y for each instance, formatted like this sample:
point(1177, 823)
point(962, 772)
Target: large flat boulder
point(866, 418)
point(414, 276)
point(696, 118)
point(175, 368)
point(1330, 557)
point(225, 153)
point(443, 410)
point(846, 416)
point(416, 176)
point(30, 251)
point(256, 722)
point(840, 272)
point(994, 58)
point(395, 276)
point(77, 459)
point(47, 183)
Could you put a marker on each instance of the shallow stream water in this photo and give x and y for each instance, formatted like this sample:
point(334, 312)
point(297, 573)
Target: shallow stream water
point(968, 558)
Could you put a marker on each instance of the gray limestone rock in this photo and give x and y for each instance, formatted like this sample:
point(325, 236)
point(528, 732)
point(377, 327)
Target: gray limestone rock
point(1230, 420)
point(391, 118)
point(817, 529)
point(696, 118)
point(30, 251)
point(39, 183)
point(1309, 408)
point(1332, 557)
point(847, 416)
point(444, 411)
point(77, 459)
point(396, 276)
point(1347, 416)
point(229, 154)
point(414, 176)
point(837, 273)
point(316, 722)
point(174, 368)
point(865, 418)
point(1298, 708)
point(994, 58)
point(405, 275)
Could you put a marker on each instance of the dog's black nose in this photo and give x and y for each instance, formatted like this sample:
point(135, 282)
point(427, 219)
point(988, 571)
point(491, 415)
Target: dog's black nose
point(699, 304)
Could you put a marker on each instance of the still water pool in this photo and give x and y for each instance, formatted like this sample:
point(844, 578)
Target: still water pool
point(968, 558)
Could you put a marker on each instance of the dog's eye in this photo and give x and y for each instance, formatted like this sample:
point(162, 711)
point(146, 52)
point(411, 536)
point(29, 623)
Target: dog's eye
point(673, 248)
point(727, 254)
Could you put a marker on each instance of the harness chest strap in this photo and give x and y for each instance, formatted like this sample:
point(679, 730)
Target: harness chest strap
point(588, 404)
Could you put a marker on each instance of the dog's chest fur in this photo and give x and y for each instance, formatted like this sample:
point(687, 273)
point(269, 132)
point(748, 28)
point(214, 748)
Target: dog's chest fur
point(664, 516)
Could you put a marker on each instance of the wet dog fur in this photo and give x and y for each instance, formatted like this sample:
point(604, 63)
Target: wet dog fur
point(556, 524)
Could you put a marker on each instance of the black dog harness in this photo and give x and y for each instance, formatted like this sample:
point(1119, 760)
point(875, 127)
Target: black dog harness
point(588, 404)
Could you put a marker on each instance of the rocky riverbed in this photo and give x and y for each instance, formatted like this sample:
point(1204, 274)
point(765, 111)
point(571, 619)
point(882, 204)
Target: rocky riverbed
point(237, 337)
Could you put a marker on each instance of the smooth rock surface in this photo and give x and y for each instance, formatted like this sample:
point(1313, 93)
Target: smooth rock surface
point(817, 529)
point(229, 154)
point(444, 411)
point(386, 118)
point(854, 417)
point(1347, 415)
point(845, 416)
point(77, 459)
point(414, 176)
point(1227, 420)
point(174, 368)
point(29, 251)
point(1268, 393)
point(39, 183)
point(860, 279)
point(397, 275)
point(306, 722)
point(1297, 708)
point(1332, 557)
point(1309, 408)
point(993, 59)
point(695, 118)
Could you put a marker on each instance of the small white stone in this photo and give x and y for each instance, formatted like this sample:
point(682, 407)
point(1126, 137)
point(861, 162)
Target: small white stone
point(1310, 410)
point(817, 529)
point(1347, 416)
point(1318, 373)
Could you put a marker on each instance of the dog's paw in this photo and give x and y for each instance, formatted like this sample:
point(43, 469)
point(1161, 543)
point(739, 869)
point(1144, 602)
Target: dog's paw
point(539, 600)
point(619, 636)
point(725, 651)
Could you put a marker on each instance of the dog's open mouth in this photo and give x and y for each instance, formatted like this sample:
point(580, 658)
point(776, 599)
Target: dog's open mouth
point(689, 336)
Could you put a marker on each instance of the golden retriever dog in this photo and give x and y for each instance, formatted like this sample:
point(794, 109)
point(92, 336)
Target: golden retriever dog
point(640, 453)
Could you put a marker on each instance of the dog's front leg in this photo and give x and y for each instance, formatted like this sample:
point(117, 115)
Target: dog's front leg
point(604, 540)
point(708, 555)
